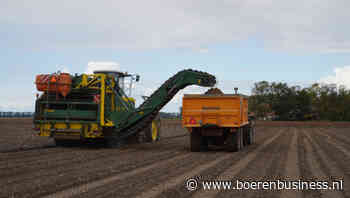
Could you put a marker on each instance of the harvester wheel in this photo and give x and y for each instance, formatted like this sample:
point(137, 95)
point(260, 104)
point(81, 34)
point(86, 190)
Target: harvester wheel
point(63, 142)
point(60, 142)
point(152, 133)
point(110, 140)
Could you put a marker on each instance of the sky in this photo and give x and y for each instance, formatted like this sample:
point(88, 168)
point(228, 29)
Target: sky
point(240, 42)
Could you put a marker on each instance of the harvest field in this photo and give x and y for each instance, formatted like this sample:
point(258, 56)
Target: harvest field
point(32, 166)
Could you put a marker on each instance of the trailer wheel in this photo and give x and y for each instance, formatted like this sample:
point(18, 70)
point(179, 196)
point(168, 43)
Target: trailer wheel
point(195, 139)
point(204, 143)
point(241, 137)
point(246, 136)
point(198, 142)
point(251, 135)
point(234, 141)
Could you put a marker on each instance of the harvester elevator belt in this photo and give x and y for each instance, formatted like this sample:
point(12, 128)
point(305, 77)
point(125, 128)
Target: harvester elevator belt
point(172, 88)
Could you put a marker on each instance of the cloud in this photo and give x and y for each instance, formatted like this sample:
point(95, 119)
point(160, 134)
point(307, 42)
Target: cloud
point(92, 66)
point(203, 50)
point(63, 69)
point(10, 106)
point(340, 77)
point(23, 103)
point(298, 25)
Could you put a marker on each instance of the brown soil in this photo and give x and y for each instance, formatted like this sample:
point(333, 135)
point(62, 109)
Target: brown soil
point(303, 124)
point(321, 152)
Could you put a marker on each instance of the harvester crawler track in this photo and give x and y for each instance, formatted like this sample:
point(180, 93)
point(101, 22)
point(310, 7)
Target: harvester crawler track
point(172, 86)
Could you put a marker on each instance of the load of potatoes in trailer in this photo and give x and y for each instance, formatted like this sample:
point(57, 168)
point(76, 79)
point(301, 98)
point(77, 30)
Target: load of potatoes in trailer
point(219, 119)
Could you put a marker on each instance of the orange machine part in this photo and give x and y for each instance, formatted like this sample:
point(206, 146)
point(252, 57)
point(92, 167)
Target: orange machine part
point(60, 83)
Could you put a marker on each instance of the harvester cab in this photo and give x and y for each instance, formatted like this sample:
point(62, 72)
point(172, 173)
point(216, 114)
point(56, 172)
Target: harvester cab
point(123, 80)
point(95, 106)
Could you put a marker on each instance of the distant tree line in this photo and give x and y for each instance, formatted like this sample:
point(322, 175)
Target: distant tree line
point(278, 101)
point(166, 115)
point(15, 114)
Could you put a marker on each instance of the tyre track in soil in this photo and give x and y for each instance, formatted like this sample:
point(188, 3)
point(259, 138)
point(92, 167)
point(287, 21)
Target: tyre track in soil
point(51, 180)
point(18, 161)
point(178, 182)
point(20, 155)
point(24, 170)
point(47, 150)
point(261, 171)
point(342, 146)
point(7, 147)
point(46, 184)
point(216, 171)
point(19, 141)
point(334, 134)
point(304, 167)
point(262, 164)
point(81, 151)
point(339, 154)
point(53, 161)
point(153, 176)
point(82, 189)
point(213, 172)
point(319, 166)
point(126, 188)
point(292, 166)
point(18, 166)
point(60, 154)
point(345, 131)
point(39, 152)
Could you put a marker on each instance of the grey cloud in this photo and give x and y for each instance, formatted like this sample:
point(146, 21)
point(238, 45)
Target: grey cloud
point(312, 25)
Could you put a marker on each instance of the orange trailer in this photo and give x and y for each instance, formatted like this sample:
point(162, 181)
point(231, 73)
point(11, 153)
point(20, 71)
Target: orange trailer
point(220, 120)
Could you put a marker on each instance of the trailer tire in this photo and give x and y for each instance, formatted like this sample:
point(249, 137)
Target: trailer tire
point(241, 137)
point(246, 136)
point(231, 143)
point(234, 141)
point(198, 142)
point(204, 143)
point(195, 141)
point(251, 135)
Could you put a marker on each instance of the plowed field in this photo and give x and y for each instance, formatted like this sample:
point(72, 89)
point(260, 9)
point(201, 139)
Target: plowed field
point(32, 166)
